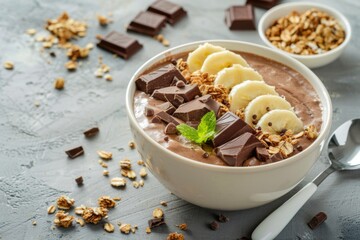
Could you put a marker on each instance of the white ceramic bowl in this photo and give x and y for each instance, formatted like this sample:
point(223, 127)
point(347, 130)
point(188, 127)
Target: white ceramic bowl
point(221, 187)
point(312, 61)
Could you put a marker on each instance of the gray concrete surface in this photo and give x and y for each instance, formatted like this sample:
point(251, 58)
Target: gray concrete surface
point(35, 170)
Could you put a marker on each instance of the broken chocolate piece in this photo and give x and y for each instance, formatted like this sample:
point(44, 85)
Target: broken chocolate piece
point(180, 84)
point(148, 111)
point(266, 4)
point(222, 218)
point(167, 118)
point(317, 220)
point(197, 108)
point(276, 157)
point(75, 152)
point(240, 17)
point(156, 119)
point(155, 222)
point(79, 181)
point(159, 78)
point(91, 132)
point(122, 45)
point(262, 154)
point(167, 107)
point(228, 127)
point(188, 92)
point(235, 152)
point(171, 11)
point(176, 100)
point(147, 23)
point(170, 129)
point(214, 225)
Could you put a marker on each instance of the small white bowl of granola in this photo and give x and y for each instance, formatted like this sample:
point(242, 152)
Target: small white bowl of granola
point(313, 33)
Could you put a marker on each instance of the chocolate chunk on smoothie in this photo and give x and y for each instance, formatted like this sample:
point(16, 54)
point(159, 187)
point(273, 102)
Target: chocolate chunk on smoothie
point(235, 152)
point(262, 154)
point(170, 129)
point(167, 118)
point(266, 4)
point(159, 78)
point(188, 93)
point(240, 17)
point(120, 44)
point(171, 11)
point(167, 107)
point(228, 127)
point(195, 109)
point(147, 23)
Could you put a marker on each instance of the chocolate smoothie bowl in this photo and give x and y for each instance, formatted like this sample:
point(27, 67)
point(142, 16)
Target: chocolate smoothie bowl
point(209, 114)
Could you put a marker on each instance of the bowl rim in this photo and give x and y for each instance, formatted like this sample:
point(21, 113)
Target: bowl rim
point(211, 167)
point(332, 11)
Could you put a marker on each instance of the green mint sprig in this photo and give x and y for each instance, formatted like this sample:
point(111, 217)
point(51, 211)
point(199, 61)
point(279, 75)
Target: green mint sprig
point(204, 132)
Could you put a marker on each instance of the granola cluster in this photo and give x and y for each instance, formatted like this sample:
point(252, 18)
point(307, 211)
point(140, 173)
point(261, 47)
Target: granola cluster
point(94, 215)
point(311, 32)
point(64, 202)
point(63, 219)
point(106, 202)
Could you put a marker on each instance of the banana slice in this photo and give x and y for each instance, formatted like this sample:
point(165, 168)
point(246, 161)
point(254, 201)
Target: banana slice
point(220, 60)
point(263, 104)
point(241, 94)
point(279, 120)
point(197, 57)
point(229, 77)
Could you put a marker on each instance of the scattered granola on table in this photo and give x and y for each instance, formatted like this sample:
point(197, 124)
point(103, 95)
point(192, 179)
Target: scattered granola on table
point(104, 155)
point(182, 226)
point(118, 182)
point(175, 236)
point(8, 65)
point(64, 202)
point(94, 215)
point(51, 209)
point(125, 228)
point(63, 219)
point(109, 227)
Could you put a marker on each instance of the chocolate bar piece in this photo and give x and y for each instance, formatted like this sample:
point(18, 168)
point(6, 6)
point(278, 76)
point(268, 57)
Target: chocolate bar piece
point(228, 127)
point(195, 109)
point(171, 11)
point(167, 118)
point(262, 154)
point(91, 132)
point(155, 222)
point(147, 23)
point(266, 4)
point(240, 17)
point(235, 152)
point(75, 152)
point(159, 78)
point(317, 220)
point(188, 93)
point(167, 107)
point(120, 44)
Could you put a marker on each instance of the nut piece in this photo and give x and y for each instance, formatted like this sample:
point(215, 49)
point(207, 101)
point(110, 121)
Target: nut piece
point(80, 221)
point(59, 83)
point(109, 227)
point(175, 236)
point(106, 202)
point(148, 230)
point(8, 65)
point(125, 164)
point(71, 65)
point(125, 228)
point(311, 132)
point(94, 215)
point(64, 202)
point(158, 213)
point(31, 31)
point(103, 21)
point(141, 162)
point(63, 219)
point(104, 155)
point(182, 226)
point(51, 209)
point(143, 172)
point(135, 184)
point(80, 210)
point(118, 182)
point(132, 144)
point(141, 183)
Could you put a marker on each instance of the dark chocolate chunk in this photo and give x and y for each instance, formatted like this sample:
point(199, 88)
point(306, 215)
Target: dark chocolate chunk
point(159, 78)
point(276, 157)
point(170, 129)
point(195, 109)
point(228, 127)
point(91, 132)
point(214, 225)
point(167, 107)
point(266, 4)
point(155, 222)
point(240, 17)
point(147, 23)
point(148, 111)
point(188, 92)
point(75, 152)
point(222, 218)
point(79, 181)
point(156, 119)
point(122, 45)
point(52, 54)
point(171, 11)
point(262, 154)
point(167, 118)
point(317, 220)
point(180, 84)
point(299, 148)
point(235, 152)
point(205, 155)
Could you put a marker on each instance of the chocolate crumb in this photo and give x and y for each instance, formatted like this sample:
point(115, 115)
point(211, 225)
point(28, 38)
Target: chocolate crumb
point(282, 132)
point(170, 129)
point(75, 152)
point(269, 124)
point(299, 148)
point(79, 181)
point(173, 61)
point(268, 109)
point(317, 220)
point(254, 116)
point(222, 218)
point(205, 155)
point(149, 112)
point(52, 54)
point(214, 225)
point(91, 132)
point(166, 138)
point(180, 84)
point(132, 145)
point(156, 119)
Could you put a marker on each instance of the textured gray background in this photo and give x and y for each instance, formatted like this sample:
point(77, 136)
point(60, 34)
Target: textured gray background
point(35, 170)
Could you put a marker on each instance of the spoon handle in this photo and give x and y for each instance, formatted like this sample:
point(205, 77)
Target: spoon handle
point(271, 226)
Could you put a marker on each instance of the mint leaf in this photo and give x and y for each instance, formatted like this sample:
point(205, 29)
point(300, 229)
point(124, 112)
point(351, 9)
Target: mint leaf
point(204, 132)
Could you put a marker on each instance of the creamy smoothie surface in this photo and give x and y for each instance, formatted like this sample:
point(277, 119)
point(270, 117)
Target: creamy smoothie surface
point(265, 111)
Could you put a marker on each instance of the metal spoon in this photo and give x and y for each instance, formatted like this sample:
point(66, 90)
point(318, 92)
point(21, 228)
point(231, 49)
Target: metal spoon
point(343, 154)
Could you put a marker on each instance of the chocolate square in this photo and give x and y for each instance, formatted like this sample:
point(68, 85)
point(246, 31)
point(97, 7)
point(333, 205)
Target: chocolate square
point(266, 4)
point(120, 44)
point(240, 18)
point(147, 23)
point(171, 11)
